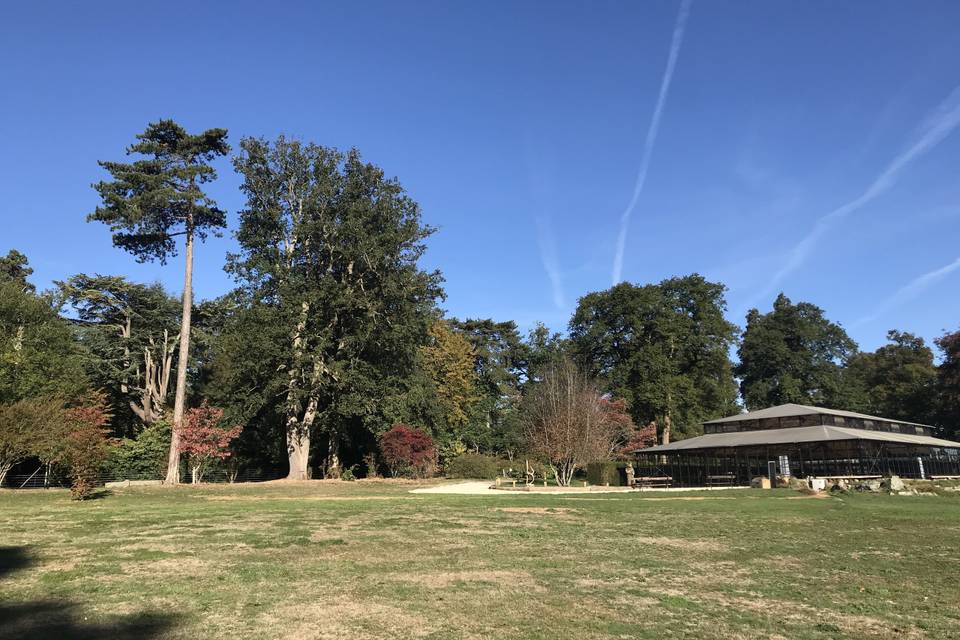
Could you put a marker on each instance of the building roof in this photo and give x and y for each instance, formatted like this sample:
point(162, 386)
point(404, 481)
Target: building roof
point(795, 435)
point(790, 410)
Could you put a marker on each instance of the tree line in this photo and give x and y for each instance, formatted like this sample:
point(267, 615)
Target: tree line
point(334, 335)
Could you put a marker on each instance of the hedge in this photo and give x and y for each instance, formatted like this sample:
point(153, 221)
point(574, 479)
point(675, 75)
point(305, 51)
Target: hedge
point(612, 473)
point(473, 465)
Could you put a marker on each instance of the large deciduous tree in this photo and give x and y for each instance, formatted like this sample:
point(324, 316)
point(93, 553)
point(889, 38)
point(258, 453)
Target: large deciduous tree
point(448, 360)
point(38, 355)
point(948, 384)
point(332, 246)
point(129, 332)
point(663, 348)
point(153, 200)
point(898, 380)
point(793, 354)
point(568, 422)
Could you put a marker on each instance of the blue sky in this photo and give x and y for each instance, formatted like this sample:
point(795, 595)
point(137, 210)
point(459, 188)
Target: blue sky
point(809, 147)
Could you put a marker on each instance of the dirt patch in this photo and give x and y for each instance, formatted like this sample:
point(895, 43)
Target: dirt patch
point(444, 579)
point(344, 617)
point(552, 511)
point(680, 543)
point(165, 567)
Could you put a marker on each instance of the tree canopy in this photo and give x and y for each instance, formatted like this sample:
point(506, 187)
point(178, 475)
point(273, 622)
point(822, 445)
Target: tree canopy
point(662, 348)
point(793, 354)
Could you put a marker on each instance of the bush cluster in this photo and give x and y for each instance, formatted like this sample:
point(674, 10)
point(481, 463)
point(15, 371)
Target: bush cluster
point(473, 465)
point(144, 458)
point(612, 473)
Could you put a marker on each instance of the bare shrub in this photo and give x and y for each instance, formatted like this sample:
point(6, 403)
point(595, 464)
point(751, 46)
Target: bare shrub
point(568, 421)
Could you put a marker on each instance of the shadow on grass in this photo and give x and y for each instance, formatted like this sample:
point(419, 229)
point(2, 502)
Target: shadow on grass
point(64, 620)
point(100, 494)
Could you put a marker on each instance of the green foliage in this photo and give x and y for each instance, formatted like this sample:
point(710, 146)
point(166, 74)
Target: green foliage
point(38, 354)
point(14, 269)
point(151, 201)
point(128, 335)
point(331, 246)
point(143, 457)
point(30, 427)
point(948, 384)
point(662, 348)
point(473, 465)
point(603, 473)
point(793, 354)
point(898, 380)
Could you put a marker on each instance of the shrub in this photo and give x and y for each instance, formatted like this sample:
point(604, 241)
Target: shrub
point(204, 440)
point(144, 458)
point(473, 465)
point(30, 427)
point(408, 451)
point(370, 462)
point(612, 473)
point(86, 446)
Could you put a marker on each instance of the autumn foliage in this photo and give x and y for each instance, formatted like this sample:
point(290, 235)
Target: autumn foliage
point(204, 440)
point(86, 445)
point(407, 450)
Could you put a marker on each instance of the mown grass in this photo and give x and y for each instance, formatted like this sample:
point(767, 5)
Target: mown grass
point(370, 560)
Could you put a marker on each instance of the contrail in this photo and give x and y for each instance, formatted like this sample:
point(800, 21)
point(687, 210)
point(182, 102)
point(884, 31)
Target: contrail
point(678, 28)
point(932, 132)
point(910, 290)
point(548, 257)
point(541, 186)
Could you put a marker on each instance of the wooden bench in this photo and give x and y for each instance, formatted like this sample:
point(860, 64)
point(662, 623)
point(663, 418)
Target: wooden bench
point(651, 482)
point(723, 480)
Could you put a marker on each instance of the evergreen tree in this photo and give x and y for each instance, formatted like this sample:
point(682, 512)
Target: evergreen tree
point(948, 384)
point(128, 332)
point(151, 201)
point(332, 246)
point(898, 380)
point(793, 354)
point(662, 348)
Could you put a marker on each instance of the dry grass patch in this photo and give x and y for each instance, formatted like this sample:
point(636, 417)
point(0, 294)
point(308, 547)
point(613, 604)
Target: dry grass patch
point(552, 511)
point(340, 617)
point(445, 579)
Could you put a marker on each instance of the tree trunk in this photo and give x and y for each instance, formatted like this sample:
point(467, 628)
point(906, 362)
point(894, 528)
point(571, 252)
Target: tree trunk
point(298, 451)
point(333, 457)
point(173, 461)
point(666, 429)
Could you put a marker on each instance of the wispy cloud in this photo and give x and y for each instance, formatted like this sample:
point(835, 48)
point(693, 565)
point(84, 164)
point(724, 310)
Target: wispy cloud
point(935, 128)
point(542, 190)
point(678, 30)
point(911, 290)
point(548, 257)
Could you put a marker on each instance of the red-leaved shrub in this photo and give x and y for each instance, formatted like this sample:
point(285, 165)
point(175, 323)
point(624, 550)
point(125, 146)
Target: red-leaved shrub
point(408, 451)
point(86, 447)
point(204, 440)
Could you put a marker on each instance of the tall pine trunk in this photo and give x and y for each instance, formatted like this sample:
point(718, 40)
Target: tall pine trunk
point(183, 356)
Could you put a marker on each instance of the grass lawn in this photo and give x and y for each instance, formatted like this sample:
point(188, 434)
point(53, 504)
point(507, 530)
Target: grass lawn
point(370, 560)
